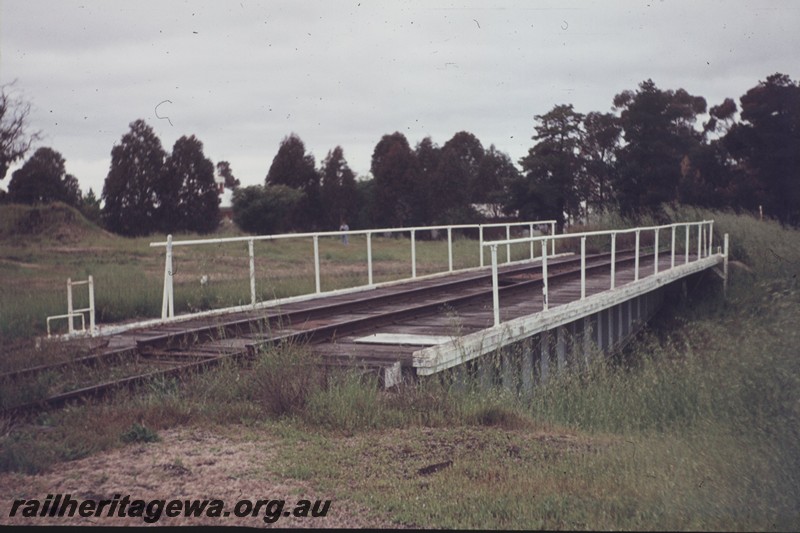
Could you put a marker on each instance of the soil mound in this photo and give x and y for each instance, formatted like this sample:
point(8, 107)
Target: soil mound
point(56, 222)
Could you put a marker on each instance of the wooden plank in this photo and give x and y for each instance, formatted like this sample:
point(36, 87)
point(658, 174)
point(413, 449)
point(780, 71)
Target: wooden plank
point(406, 339)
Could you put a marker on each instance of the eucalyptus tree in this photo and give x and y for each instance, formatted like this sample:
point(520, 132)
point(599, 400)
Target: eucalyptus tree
point(130, 190)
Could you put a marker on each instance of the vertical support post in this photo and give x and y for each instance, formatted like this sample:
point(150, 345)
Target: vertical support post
point(699, 239)
point(69, 306)
point(91, 305)
point(587, 340)
point(526, 368)
point(703, 241)
point(480, 241)
point(530, 236)
point(636, 259)
point(544, 358)
point(413, 254)
point(544, 276)
point(725, 265)
point(450, 249)
point(167, 303)
point(561, 348)
point(508, 246)
point(710, 238)
point(583, 267)
point(369, 258)
point(252, 255)
point(686, 247)
point(495, 286)
point(316, 264)
point(553, 233)
point(672, 249)
point(655, 262)
point(613, 259)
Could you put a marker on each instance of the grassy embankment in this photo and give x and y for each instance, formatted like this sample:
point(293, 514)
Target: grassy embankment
point(41, 247)
point(701, 430)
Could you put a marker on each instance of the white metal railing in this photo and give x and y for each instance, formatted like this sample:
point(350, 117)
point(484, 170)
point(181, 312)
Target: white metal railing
point(705, 236)
point(168, 300)
point(72, 313)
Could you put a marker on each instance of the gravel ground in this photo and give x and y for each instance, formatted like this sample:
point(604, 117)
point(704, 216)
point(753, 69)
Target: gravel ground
point(187, 463)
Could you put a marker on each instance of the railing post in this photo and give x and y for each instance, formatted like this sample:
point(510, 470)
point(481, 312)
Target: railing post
point(91, 305)
point(480, 241)
point(553, 232)
point(583, 268)
point(495, 285)
point(672, 250)
point(316, 264)
point(369, 258)
point(710, 238)
point(69, 306)
point(167, 303)
point(413, 254)
point(544, 275)
point(725, 265)
point(252, 255)
point(449, 249)
point(613, 259)
point(686, 247)
point(655, 262)
point(699, 239)
point(508, 246)
point(636, 259)
point(530, 236)
point(702, 240)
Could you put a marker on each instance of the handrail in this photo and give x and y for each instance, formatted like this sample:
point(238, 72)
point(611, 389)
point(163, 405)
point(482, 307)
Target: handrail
point(705, 236)
point(168, 306)
point(72, 313)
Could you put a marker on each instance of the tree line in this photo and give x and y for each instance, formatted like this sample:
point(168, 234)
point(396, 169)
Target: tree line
point(656, 147)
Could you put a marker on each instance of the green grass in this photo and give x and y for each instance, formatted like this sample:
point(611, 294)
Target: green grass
point(698, 430)
point(40, 247)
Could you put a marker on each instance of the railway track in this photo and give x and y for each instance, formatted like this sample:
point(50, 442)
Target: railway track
point(197, 344)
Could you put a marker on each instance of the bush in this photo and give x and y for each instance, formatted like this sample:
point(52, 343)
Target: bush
point(140, 433)
point(284, 378)
point(264, 210)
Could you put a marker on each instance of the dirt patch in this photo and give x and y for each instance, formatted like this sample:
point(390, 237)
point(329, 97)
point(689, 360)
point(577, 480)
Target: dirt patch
point(188, 463)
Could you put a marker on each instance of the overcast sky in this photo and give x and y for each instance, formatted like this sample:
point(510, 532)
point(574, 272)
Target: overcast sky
point(242, 74)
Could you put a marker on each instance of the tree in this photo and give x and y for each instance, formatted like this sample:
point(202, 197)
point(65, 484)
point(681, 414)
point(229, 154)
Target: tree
point(339, 193)
point(427, 154)
point(15, 141)
point(721, 117)
point(90, 206)
point(659, 133)
point(296, 169)
point(553, 165)
point(365, 194)
point(598, 146)
point(767, 144)
point(187, 192)
point(456, 176)
point(130, 191)
point(396, 175)
point(264, 210)
point(224, 170)
point(43, 179)
point(495, 174)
